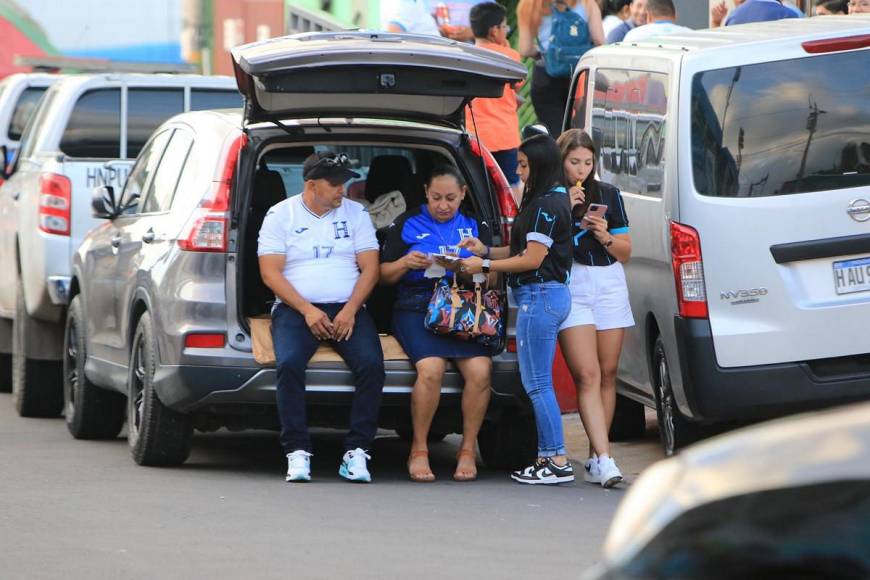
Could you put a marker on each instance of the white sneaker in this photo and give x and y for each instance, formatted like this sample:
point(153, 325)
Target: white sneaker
point(353, 466)
point(298, 466)
point(608, 473)
point(591, 471)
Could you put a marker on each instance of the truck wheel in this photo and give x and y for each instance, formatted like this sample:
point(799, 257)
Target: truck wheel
point(36, 384)
point(629, 420)
point(157, 435)
point(675, 430)
point(90, 411)
point(509, 443)
point(5, 373)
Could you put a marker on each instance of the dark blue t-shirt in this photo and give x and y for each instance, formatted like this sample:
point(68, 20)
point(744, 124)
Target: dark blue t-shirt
point(759, 11)
point(416, 229)
point(546, 220)
point(587, 249)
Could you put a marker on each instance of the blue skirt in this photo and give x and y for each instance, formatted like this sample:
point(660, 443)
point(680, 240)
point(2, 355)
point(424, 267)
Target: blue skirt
point(420, 343)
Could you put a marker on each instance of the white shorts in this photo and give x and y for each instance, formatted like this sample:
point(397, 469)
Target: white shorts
point(599, 296)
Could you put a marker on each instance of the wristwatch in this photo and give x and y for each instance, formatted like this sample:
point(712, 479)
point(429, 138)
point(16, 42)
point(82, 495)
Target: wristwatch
point(485, 266)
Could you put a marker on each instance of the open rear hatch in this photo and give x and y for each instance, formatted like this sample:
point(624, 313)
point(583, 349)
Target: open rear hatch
point(353, 74)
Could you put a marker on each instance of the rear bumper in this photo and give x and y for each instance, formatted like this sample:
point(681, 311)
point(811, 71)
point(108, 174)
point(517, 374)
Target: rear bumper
point(223, 389)
point(715, 393)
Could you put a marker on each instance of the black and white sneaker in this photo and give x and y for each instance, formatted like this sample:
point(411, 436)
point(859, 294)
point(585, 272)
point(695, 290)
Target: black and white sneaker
point(545, 472)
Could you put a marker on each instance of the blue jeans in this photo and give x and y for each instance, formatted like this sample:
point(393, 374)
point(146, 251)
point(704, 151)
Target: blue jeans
point(294, 347)
point(541, 310)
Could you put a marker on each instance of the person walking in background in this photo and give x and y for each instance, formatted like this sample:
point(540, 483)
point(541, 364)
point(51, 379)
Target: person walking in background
point(637, 17)
point(747, 11)
point(615, 13)
point(832, 7)
point(535, 23)
point(537, 263)
point(591, 337)
point(435, 228)
point(661, 19)
point(859, 6)
point(453, 18)
point(495, 121)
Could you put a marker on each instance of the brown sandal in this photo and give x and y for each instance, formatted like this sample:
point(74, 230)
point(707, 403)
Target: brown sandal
point(465, 475)
point(420, 476)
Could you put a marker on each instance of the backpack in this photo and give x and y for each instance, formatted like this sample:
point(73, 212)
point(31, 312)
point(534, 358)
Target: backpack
point(569, 40)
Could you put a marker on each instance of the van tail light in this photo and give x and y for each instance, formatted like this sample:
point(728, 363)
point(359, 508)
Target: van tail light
point(504, 194)
point(208, 227)
point(512, 345)
point(688, 271)
point(55, 204)
point(836, 44)
point(201, 340)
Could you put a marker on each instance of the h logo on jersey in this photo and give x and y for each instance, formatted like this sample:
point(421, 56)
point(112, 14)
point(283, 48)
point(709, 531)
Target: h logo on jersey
point(341, 231)
point(465, 233)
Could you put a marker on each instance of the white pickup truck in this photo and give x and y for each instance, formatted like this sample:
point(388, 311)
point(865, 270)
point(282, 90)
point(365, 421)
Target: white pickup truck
point(86, 132)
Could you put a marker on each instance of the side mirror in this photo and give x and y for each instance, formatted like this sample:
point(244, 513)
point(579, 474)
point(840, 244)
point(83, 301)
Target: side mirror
point(132, 201)
point(536, 129)
point(5, 162)
point(103, 205)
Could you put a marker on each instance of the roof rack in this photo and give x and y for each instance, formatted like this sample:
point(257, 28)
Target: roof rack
point(67, 63)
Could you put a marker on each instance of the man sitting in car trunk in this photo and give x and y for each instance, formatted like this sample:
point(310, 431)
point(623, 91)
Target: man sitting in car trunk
point(318, 253)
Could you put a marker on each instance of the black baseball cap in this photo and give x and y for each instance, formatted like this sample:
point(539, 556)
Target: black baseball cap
point(334, 167)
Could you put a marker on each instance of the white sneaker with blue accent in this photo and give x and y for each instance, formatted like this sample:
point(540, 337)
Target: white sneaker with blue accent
point(354, 467)
point(298, 466)
point(609, 473)
point(591, 471)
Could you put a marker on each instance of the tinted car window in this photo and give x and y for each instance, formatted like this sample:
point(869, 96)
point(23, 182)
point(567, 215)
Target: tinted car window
point(142, 171)
point(782, 127)
point(94, 126)
point(147, 109)
point(162, 188)
point(212, 99)
point(24, 108)
point(628, 127)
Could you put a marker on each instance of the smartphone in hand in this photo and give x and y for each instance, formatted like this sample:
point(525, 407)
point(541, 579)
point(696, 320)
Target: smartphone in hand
point(596, 209)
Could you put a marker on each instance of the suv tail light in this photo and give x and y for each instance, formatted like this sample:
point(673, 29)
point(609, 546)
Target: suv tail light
point(836, 44)
point(688, 271)
point(504, 194)
point(207, 228)
point(55, 204)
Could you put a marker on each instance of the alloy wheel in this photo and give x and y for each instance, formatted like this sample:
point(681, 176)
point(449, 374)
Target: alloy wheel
point(72, 377)
point(666, 403)
point(137, 390)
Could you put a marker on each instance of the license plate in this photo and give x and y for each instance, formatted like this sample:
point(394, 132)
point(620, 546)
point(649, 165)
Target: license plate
point(852, 276)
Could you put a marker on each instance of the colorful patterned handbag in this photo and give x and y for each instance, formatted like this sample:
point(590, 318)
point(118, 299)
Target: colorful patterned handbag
point(466, 314)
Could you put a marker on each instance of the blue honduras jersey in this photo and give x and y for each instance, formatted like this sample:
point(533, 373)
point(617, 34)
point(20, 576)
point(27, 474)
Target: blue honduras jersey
point(416, 229)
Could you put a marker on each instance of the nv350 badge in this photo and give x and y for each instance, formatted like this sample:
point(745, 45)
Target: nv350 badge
point(746, 296)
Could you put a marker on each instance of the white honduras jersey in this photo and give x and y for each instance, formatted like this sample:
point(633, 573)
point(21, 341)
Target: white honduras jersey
point(320, 250)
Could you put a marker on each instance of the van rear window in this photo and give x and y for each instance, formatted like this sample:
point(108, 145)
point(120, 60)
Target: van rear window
point(787, 127)
point(24, 108)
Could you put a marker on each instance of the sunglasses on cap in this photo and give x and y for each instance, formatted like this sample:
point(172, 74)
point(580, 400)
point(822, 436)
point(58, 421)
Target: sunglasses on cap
point(334, 168)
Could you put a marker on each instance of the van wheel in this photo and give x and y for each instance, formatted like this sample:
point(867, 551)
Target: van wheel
point(509, 443)
point(5, 373)
point(629, 420)
point(89, 411)
point(675, 430)
point(157, 435)
point(36, 384)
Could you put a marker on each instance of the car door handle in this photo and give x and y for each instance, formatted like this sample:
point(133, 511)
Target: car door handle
point(116, 240)
point(148, 236)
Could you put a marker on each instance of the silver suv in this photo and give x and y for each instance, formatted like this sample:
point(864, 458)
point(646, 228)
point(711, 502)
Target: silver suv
point(164, 291)
point(85, 132)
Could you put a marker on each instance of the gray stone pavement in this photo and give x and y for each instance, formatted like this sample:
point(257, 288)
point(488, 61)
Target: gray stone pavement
point(82, 509)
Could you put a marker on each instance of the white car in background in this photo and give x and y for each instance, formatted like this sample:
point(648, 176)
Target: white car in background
point(19, 96)
point(85, 133)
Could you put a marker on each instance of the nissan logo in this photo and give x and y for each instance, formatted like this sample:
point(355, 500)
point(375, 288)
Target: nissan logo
point(859, 210)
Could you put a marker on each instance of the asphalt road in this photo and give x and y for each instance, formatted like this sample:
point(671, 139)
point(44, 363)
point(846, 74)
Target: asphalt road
point(82, 509)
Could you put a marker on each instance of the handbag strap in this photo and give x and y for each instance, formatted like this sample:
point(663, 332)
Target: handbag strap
point(455, 302)
point(478, 309)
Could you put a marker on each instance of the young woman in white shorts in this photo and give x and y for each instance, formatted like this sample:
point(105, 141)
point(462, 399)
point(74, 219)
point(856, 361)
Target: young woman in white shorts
point(591, 337)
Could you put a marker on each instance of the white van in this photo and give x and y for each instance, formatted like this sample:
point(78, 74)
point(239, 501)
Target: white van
point(743, 156)
point(86, 132)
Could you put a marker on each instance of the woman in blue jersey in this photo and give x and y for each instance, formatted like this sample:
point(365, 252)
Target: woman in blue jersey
point(435, 228)
point(591, 337)
point(537, 262)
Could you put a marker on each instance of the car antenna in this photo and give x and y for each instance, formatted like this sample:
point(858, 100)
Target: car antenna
point(480, 149)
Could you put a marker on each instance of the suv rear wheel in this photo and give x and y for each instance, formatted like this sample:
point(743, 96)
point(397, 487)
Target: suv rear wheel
point(511, 442)
point(675, 430)
point(90, 412)
point(157, 435)
point(36, 384)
